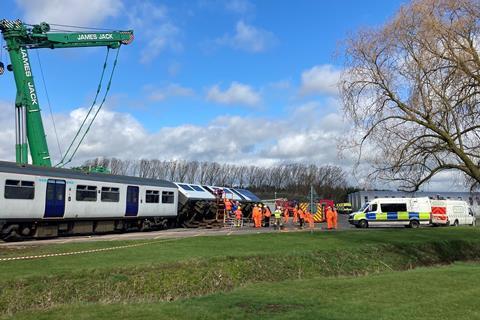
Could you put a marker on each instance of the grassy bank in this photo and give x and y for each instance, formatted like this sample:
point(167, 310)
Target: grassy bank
point(426, 293)
point(165, 271)
point(198, 248)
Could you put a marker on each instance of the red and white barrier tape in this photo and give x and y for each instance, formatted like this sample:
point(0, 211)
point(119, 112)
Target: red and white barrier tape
point(48, 255)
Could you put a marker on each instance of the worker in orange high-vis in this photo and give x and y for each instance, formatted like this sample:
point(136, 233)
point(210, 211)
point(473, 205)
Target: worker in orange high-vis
point(228, 207)
point(238, 217)
point(260, 215)
point(254, 215)
point(295, 214)
point(267, 214)
point(335, 218)
point(286, 215)
point(257, 217)
point(329, 216)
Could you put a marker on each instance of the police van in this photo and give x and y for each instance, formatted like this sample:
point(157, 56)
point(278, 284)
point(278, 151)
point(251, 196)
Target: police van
point(408, 212)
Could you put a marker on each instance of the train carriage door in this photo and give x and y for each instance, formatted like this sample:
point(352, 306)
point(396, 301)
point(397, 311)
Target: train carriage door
point(55, 199)
point(132, 201)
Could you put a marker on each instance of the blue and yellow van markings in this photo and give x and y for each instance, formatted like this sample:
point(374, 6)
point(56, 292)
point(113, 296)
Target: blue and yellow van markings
point(392, 216)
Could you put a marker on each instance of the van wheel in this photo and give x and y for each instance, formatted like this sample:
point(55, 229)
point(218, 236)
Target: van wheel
point(363, 224)
point(414, 224)
point(455, 224)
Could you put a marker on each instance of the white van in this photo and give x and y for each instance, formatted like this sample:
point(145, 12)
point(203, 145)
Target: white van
point(409, 212)
point(452, 212)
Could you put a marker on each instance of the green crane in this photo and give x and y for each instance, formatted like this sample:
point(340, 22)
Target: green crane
point(21, 37)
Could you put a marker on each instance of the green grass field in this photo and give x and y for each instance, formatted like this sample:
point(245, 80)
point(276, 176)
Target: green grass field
point(284, 275)
point(426, 293)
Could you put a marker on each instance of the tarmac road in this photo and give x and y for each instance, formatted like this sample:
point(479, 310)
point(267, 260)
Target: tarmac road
point(175, 233)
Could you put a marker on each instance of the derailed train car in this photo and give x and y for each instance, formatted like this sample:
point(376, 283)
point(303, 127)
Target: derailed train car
point(199, 205)
point(37, 202)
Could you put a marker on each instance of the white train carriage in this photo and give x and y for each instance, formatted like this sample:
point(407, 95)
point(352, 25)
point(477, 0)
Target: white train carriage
point(44, 202)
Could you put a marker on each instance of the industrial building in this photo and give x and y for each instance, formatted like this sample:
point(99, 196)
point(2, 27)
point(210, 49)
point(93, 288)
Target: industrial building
point(359, 198)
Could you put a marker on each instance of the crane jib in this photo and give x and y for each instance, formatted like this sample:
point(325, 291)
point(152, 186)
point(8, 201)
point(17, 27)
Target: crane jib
point(88, 37)
point(94, 36)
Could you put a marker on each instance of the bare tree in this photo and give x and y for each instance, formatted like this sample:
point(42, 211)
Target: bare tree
point(411, 89)
point(294, 179)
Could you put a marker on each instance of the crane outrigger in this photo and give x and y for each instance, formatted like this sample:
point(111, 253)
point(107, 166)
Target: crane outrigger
point(20, 38)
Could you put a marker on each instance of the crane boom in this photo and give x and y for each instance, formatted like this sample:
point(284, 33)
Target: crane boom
point(19, 38)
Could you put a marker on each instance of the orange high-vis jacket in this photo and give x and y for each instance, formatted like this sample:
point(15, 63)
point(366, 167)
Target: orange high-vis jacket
point(238, 214)
point(329, 213)
point(228, 205)
point(301, 214)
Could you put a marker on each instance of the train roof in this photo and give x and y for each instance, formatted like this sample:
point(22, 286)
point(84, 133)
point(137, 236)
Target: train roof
point(194, 191)
point(197, 191)
point(12, 167)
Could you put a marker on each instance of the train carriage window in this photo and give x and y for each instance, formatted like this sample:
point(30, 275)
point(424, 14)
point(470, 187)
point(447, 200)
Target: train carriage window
point(152, 196)
point(18, 189)
point(110, 194)
point(168, 197)
point(197, 188)
point(86, 193)
point(185, 187)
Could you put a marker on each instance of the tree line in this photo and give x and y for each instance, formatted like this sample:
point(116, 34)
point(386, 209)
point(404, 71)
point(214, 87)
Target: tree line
point(291, 180)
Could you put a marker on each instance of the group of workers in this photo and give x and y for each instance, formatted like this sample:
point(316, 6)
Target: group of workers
point(234, 208)
point(261, 216)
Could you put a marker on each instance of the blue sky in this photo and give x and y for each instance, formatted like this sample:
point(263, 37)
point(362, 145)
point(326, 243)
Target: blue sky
point(232, 81)
point(299, 35)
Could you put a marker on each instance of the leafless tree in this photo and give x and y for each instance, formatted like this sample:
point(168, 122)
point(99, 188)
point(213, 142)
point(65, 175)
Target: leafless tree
point(294, 179)
point(411, 90)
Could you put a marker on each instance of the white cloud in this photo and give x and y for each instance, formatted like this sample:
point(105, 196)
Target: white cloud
point(280, 85)
point(321, 79)
point(171, 90)
point(233, 139)
point(71, 12)
point(248, 38)
point(239, 6)
point(155, 29)
point(237, 93)
point(163, 38)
